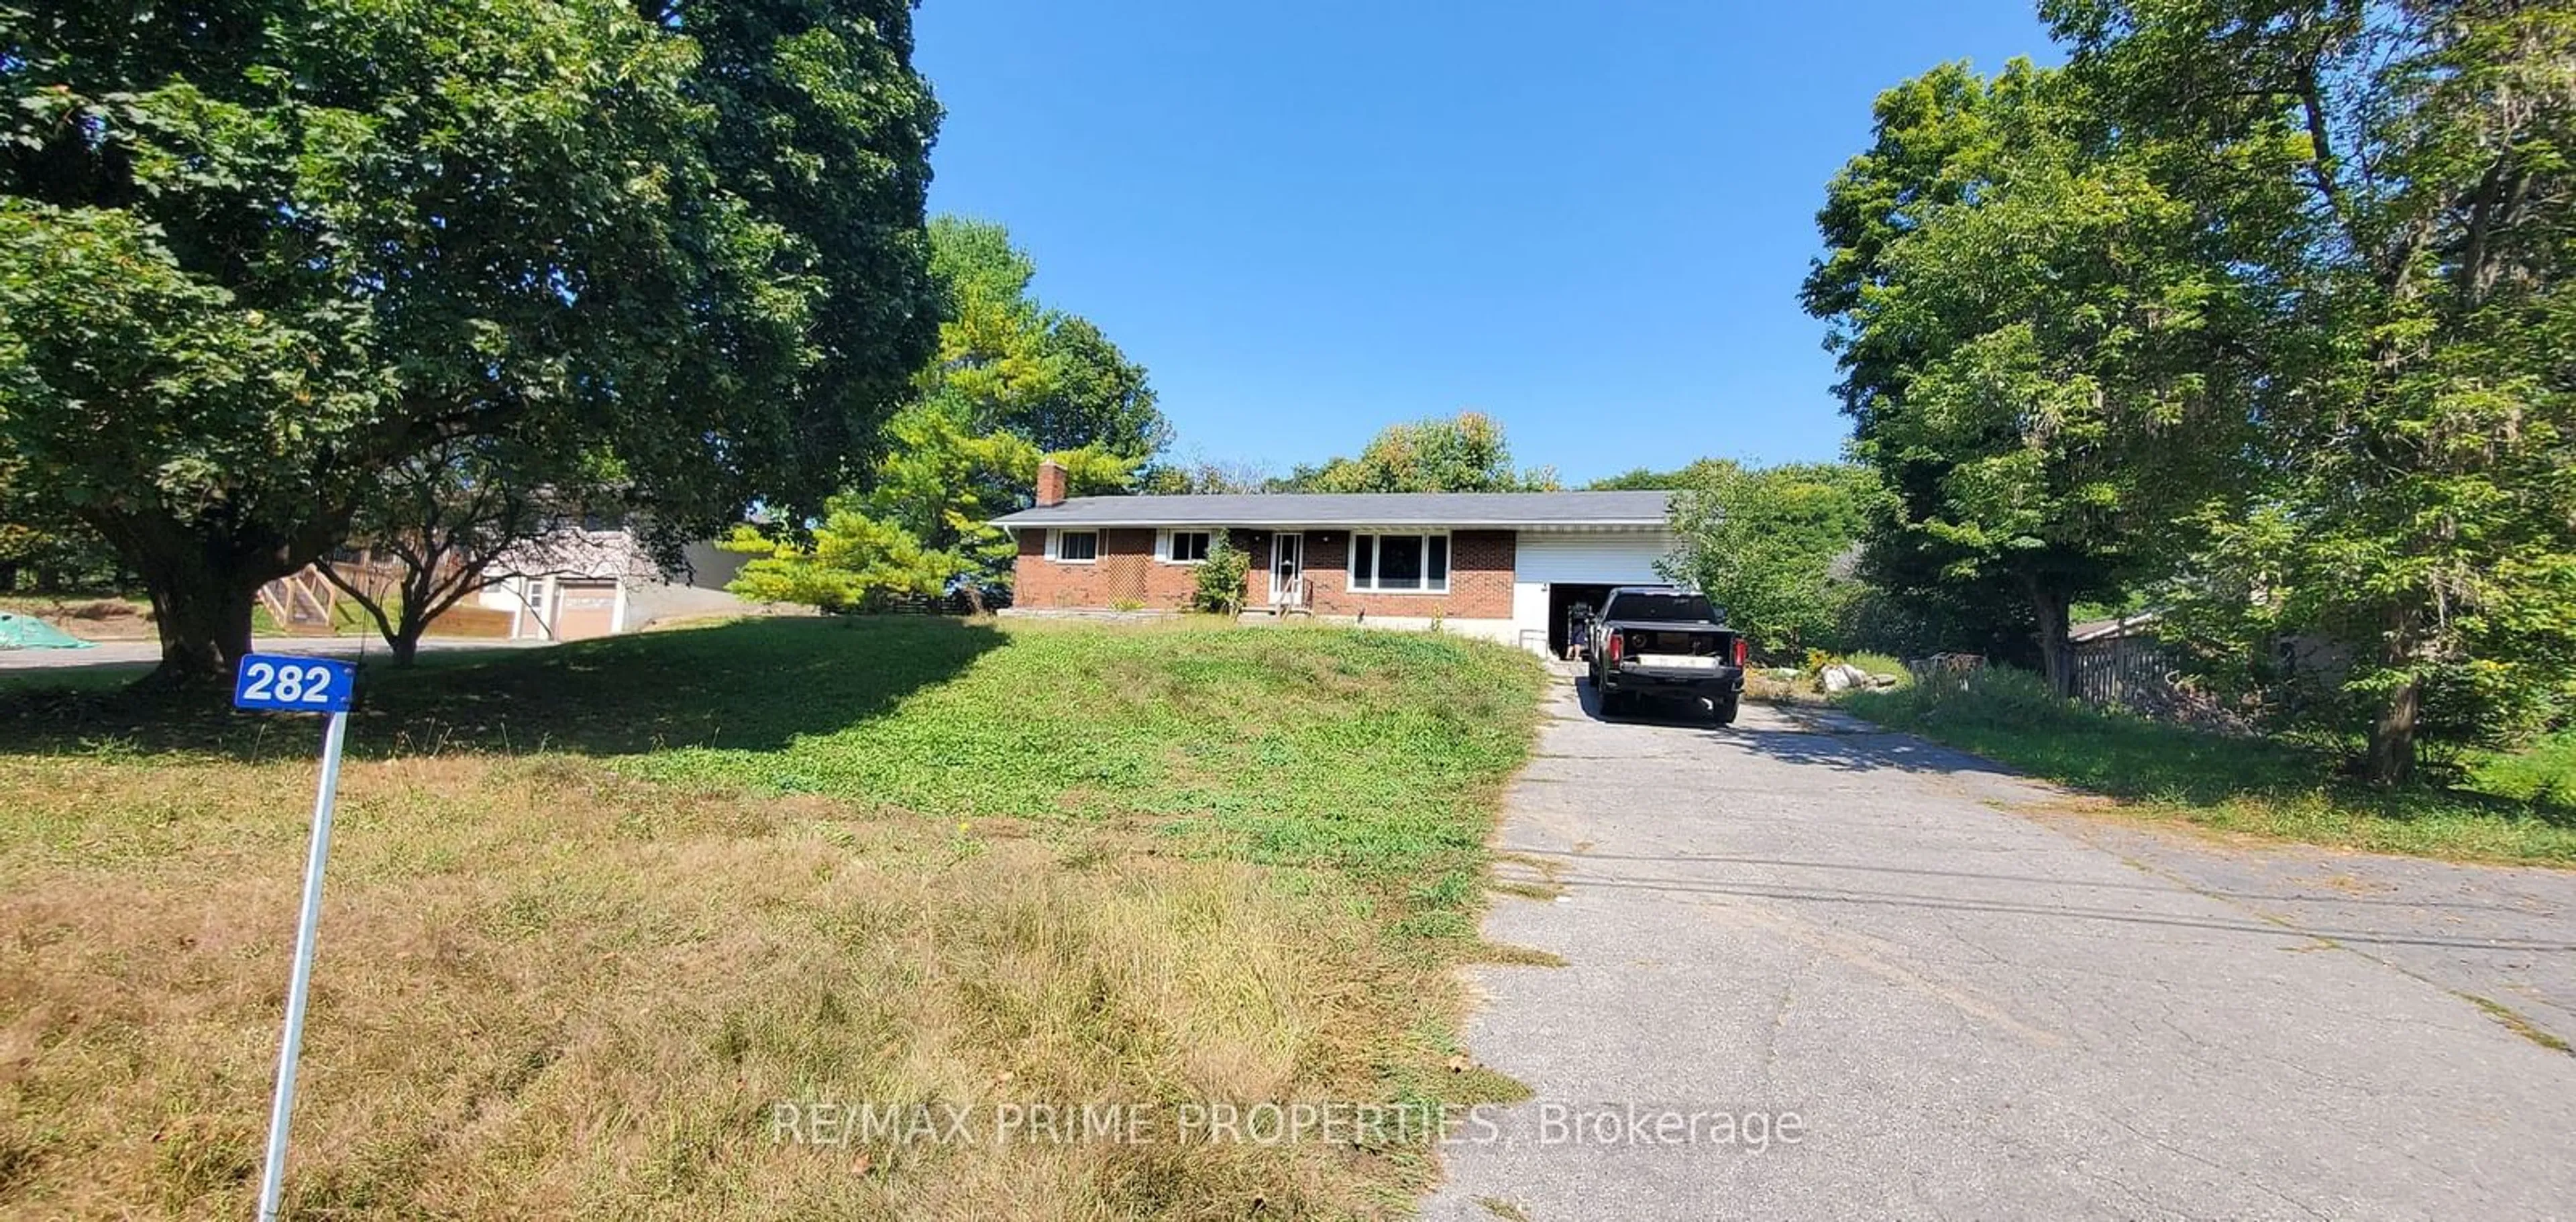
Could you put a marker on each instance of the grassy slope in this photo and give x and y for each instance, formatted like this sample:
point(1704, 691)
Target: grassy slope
point(2243, 785)
point(2545, 773)
point(593, 909)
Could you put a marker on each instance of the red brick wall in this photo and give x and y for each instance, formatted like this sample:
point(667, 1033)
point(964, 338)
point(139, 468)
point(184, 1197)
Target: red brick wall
point(1126, 571)
point(1480, 576)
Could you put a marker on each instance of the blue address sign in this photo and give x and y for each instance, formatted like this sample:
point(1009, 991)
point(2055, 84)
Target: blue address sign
point(294, 685)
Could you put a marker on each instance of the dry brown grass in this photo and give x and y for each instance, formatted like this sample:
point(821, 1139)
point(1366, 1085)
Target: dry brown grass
point(552, 985)
point(544, 990)
point(1761, 686)
point(87, 617)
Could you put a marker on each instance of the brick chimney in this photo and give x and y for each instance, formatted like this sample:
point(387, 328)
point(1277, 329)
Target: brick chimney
point(1050, 482)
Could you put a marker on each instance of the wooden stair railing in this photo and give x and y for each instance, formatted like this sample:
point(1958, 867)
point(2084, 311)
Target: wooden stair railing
point(302, 603)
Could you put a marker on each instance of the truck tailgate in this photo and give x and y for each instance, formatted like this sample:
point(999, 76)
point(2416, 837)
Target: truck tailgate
point(1676, 648)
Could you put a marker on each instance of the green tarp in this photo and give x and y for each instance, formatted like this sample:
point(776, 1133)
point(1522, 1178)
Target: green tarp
point(28, 632)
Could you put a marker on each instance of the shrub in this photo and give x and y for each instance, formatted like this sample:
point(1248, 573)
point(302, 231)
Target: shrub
point(1766, 546)
point(1220, 578)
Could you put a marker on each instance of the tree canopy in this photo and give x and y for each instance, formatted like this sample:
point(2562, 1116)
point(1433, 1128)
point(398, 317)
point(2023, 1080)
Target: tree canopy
point(1462, 453)
point(2396, 189)
point(1647, 479)
point(2266, 303)
point(455, 520)
point(1012, 381)
point(254, 254)
point(2024, 331)
point(1007, 362)
point(48, 548)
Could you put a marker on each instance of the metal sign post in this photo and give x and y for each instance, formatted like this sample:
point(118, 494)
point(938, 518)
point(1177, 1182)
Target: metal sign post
point(298, 685)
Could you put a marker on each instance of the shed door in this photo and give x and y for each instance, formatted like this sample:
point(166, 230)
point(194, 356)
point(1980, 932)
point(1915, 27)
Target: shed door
point(585, 609)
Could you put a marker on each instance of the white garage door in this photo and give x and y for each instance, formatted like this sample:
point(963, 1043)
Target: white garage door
point(1592, 558)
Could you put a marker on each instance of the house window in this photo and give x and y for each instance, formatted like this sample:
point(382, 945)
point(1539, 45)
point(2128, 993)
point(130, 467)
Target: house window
point(1184, 546)
point(1400, 564)
point(1073, 546)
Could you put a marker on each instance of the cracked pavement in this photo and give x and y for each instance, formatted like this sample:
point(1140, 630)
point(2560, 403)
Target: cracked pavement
point(1977, 1006)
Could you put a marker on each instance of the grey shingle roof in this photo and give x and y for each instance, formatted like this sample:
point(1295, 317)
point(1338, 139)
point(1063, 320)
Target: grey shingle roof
point(1469, 509)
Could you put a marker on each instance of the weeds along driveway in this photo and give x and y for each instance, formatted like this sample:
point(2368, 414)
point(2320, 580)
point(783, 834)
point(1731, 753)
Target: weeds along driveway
point(1967, 1010)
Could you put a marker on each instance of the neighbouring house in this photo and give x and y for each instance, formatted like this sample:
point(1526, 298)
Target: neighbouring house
point(1502, 565)
point(580, 580)
point(588, 581)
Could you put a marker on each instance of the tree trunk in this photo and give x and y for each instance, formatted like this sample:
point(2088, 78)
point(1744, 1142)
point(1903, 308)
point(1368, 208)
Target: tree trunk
point(396, 628)
point(2056, 656)
point(409, 626)
point(205, 629)
point(2392, 736)
point(204, 580)
point(2391, 757)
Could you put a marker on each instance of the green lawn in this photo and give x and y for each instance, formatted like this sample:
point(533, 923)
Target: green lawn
point(347, 619)
point(595, 909)
point(2509, 808)
point(2545, 773)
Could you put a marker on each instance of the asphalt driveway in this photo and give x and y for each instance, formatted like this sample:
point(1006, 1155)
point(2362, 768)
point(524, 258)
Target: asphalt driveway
point(1960, 1004)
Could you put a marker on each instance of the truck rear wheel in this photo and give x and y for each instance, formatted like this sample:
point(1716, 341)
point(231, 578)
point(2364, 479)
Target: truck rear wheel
point(1723, 711)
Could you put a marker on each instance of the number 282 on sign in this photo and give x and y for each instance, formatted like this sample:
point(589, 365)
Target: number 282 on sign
point(298, 685)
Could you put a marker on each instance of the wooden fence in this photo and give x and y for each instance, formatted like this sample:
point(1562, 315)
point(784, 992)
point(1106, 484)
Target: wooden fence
point(2134, 672)
point(2137, 673)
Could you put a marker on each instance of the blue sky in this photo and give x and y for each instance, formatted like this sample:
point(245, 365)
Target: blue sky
point(1312, 220)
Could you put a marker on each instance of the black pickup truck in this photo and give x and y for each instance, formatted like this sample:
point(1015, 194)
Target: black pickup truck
point(1656, 642)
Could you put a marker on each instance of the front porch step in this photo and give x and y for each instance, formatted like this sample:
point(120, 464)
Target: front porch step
point(1271, 617)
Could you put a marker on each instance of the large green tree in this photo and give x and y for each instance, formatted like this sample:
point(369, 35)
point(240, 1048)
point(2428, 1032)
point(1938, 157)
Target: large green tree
point(2395, 183)
point(1011, 380)
point(1772, 547)
point(256, 253)
point(924, 524)
point(1462, 453)
point(2027, 340)
point(1007, 362)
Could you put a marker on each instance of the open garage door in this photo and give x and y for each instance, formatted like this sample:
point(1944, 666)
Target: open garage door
point(1557, 570)
point(1562, 599)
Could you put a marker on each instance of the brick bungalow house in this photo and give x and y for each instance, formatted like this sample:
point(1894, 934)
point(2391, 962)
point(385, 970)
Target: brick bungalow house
point(1503, 565)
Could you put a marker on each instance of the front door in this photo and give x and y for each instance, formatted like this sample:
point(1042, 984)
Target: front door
point(1287, 564)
